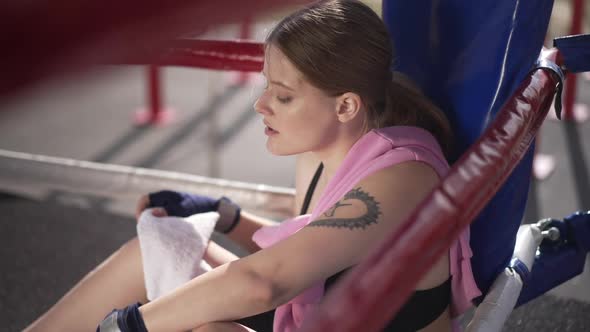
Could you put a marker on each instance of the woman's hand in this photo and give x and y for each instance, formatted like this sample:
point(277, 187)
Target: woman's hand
point(144, 203)
point(180, 204)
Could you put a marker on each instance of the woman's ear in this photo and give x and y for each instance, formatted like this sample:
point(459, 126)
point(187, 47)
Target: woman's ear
point(348, 105)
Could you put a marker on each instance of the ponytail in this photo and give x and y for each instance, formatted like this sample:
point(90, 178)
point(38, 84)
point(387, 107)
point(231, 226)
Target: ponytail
point(406, 105)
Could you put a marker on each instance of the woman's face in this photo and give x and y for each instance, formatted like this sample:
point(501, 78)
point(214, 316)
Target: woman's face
point(298, 116)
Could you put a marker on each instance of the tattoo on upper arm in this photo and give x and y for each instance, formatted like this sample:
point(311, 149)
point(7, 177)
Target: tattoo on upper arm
point(370, 217)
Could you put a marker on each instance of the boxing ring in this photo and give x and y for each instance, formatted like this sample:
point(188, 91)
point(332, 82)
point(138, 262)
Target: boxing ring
point(490, 158)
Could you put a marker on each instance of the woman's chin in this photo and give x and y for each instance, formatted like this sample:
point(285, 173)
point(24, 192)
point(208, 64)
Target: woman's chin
point(279, 151)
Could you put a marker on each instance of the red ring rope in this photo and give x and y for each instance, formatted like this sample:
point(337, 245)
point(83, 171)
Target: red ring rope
point(209, 54)
point(47, 38)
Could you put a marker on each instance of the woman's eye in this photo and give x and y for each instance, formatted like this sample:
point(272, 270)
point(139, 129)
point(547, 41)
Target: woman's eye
point(284, 100)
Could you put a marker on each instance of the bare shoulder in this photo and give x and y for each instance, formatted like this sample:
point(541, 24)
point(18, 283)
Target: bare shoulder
point(386, 197)
point(373, 208)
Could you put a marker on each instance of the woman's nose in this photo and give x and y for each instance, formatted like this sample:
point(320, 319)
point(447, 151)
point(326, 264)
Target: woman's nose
point(261, 106)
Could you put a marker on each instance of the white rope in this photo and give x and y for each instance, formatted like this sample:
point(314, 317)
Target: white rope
point(116, 181)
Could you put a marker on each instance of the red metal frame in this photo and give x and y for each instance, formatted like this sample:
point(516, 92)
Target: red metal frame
point(375, 290)
point(154, 90)
point(154, 113)
point(245, 34)
point(242, 55)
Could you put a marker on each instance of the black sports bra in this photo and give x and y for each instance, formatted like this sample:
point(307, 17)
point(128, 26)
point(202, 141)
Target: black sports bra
point(423, 307)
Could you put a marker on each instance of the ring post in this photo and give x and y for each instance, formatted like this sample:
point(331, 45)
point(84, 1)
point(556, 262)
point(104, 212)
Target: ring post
point(154, 114)
point(245, 32)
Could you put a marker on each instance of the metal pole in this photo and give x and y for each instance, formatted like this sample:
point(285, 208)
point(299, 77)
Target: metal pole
point(245, 31)
point(154, 113)
point(154, 93)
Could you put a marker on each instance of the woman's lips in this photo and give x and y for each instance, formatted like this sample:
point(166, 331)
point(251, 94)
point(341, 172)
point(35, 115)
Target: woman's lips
point(269, 131)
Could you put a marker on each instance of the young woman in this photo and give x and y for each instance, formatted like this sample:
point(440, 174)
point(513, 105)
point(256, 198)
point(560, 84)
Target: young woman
point(331, 99)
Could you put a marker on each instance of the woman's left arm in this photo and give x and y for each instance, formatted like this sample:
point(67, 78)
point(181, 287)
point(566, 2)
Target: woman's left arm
point(338, 239)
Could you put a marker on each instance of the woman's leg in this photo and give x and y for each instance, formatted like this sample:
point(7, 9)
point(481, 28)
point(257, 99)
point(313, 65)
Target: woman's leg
point(115, 283)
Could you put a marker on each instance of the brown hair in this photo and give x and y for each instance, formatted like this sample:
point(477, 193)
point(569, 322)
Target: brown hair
point(343, 46)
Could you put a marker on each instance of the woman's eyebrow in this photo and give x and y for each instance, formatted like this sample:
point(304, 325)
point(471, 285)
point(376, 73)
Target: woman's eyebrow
point(282, 85)
point(277, 82)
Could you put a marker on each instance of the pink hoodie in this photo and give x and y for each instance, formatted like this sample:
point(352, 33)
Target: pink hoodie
point(376, 150)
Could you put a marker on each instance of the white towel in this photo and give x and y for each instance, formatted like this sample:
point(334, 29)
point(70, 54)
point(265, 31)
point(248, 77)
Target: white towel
point(172, 249)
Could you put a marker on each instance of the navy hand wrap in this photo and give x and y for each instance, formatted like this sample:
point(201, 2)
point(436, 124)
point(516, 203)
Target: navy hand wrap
point(123, 320)
point(179, 204)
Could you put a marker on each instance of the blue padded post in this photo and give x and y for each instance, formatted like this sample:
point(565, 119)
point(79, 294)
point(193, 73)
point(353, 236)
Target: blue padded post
point(550, 270)
point(561, 260)
point(469, 56)
point(575, 51)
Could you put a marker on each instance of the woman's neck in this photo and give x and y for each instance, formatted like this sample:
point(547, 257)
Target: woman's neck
point(333, 156)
